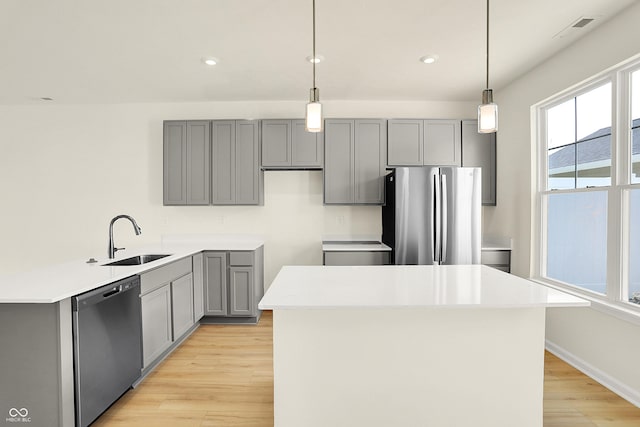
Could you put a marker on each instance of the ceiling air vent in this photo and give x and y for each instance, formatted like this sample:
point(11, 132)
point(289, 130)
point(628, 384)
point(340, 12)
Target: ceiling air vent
point(576, 27)
point(583, 22)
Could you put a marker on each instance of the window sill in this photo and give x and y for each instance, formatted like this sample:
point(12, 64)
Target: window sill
point(620, 310)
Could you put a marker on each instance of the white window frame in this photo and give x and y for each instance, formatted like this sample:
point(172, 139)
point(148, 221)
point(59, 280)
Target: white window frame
point(615, 300)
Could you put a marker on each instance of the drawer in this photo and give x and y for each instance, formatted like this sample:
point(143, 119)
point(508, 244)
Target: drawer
point(155, 278)
point(241, 258)
point(356, 258)
point(496, 257)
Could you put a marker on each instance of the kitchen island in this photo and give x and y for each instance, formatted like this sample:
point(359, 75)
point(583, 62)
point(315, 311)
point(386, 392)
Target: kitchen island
point(408, 345)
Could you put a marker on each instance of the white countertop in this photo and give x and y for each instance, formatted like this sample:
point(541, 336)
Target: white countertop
point(354, 247)
point(444, 286)
point(493, 243)
point(54, 283)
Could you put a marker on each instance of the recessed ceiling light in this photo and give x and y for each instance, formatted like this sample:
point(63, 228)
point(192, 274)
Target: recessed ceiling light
point(315, 60)
point(210, 60)
point(429, 59)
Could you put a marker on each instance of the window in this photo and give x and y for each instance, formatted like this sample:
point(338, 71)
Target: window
point(579, 140)
point(635, 127)
point(589, 188)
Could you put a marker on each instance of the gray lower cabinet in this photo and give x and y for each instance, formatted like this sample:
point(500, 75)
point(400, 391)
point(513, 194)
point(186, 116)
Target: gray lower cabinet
point(166, 307)
point(215, 283)
point(186, 165)
point(233, 283)
point(497, 258)
point(418, 142)
point(236, 177)
point(479, 150)
point(182, 305)
point(356, 257)
point(157, 334)
point(354, 161)
point(287, 145)
point(198, 286)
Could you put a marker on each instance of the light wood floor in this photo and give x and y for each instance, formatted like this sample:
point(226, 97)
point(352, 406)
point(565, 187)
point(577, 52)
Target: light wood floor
point(222, 376)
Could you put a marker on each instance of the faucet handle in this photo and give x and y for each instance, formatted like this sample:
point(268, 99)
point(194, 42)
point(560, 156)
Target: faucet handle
point(117, 249)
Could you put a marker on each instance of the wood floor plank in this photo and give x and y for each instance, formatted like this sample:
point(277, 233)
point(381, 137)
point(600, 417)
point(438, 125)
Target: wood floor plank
point(222, 376)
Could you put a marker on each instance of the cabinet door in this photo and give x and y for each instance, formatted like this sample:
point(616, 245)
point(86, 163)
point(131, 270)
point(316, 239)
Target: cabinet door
point(306, 147)
point(339, 161)
point(241, 294)
point(174, 162)
point(223, 140)
point(182, 305)
point(370, 146)
point(198, 163)
point(198, 286)
point(406, 147)
point(442, 143)
point(215, 282)
point(479, 150)
point(156, 323)
point(276, 143)
point(247, 163)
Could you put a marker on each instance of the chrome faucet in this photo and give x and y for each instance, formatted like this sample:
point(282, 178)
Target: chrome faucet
point(136, 229)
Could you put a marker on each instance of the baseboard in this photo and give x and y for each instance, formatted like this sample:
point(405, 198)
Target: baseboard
point(628, 393)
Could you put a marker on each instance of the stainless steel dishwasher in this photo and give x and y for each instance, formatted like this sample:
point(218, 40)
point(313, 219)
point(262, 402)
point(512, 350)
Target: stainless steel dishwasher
point(107, 340)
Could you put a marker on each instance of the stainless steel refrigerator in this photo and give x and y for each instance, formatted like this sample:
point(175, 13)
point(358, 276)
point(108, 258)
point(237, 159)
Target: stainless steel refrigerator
point(433, 215)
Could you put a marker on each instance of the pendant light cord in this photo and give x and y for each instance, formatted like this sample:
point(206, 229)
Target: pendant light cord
point(314, 59)
point(487, 86)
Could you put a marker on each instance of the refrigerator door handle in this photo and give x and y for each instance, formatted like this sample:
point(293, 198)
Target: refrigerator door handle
point(436, 240)
point(444, 214)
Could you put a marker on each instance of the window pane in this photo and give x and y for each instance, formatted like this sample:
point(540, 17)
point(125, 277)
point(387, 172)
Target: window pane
point(635, 127)
point(561, 124)
point(593, 112)
point(594, 162)
point(634, 246)
point(562, 167)
point(577, 239)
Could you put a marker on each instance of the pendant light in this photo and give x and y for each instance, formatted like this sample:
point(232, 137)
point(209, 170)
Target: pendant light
point(488, 110)
point(313, 116)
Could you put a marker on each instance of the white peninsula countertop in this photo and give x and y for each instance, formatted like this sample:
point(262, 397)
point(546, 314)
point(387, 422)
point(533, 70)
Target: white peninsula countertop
point(408, 286)
point(54, 283)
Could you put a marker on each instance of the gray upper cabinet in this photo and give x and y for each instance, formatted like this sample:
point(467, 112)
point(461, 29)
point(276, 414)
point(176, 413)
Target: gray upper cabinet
point(237, 178)
point(479, 150)
point(186, 163)
point(354, 161)
point(416, 142)
point(405, 145)
point(370, 148)
point(287, 145)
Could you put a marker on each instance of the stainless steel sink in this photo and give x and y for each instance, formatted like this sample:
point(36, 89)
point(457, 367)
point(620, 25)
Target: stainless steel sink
point(137, 260)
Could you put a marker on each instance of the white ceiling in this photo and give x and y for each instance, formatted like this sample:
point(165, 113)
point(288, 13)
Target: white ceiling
point(107, 51)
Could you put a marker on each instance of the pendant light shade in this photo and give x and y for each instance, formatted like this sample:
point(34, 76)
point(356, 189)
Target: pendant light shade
point(488, 110)
point(313, 115)
point(313, 121)
point(487, 113)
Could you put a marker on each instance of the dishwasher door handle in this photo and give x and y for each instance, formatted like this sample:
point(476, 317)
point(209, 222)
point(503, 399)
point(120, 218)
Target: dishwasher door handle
point(112, 292)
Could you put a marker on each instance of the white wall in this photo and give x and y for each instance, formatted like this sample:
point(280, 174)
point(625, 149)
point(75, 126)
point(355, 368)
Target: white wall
point(599, 340)
point(67, 170)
